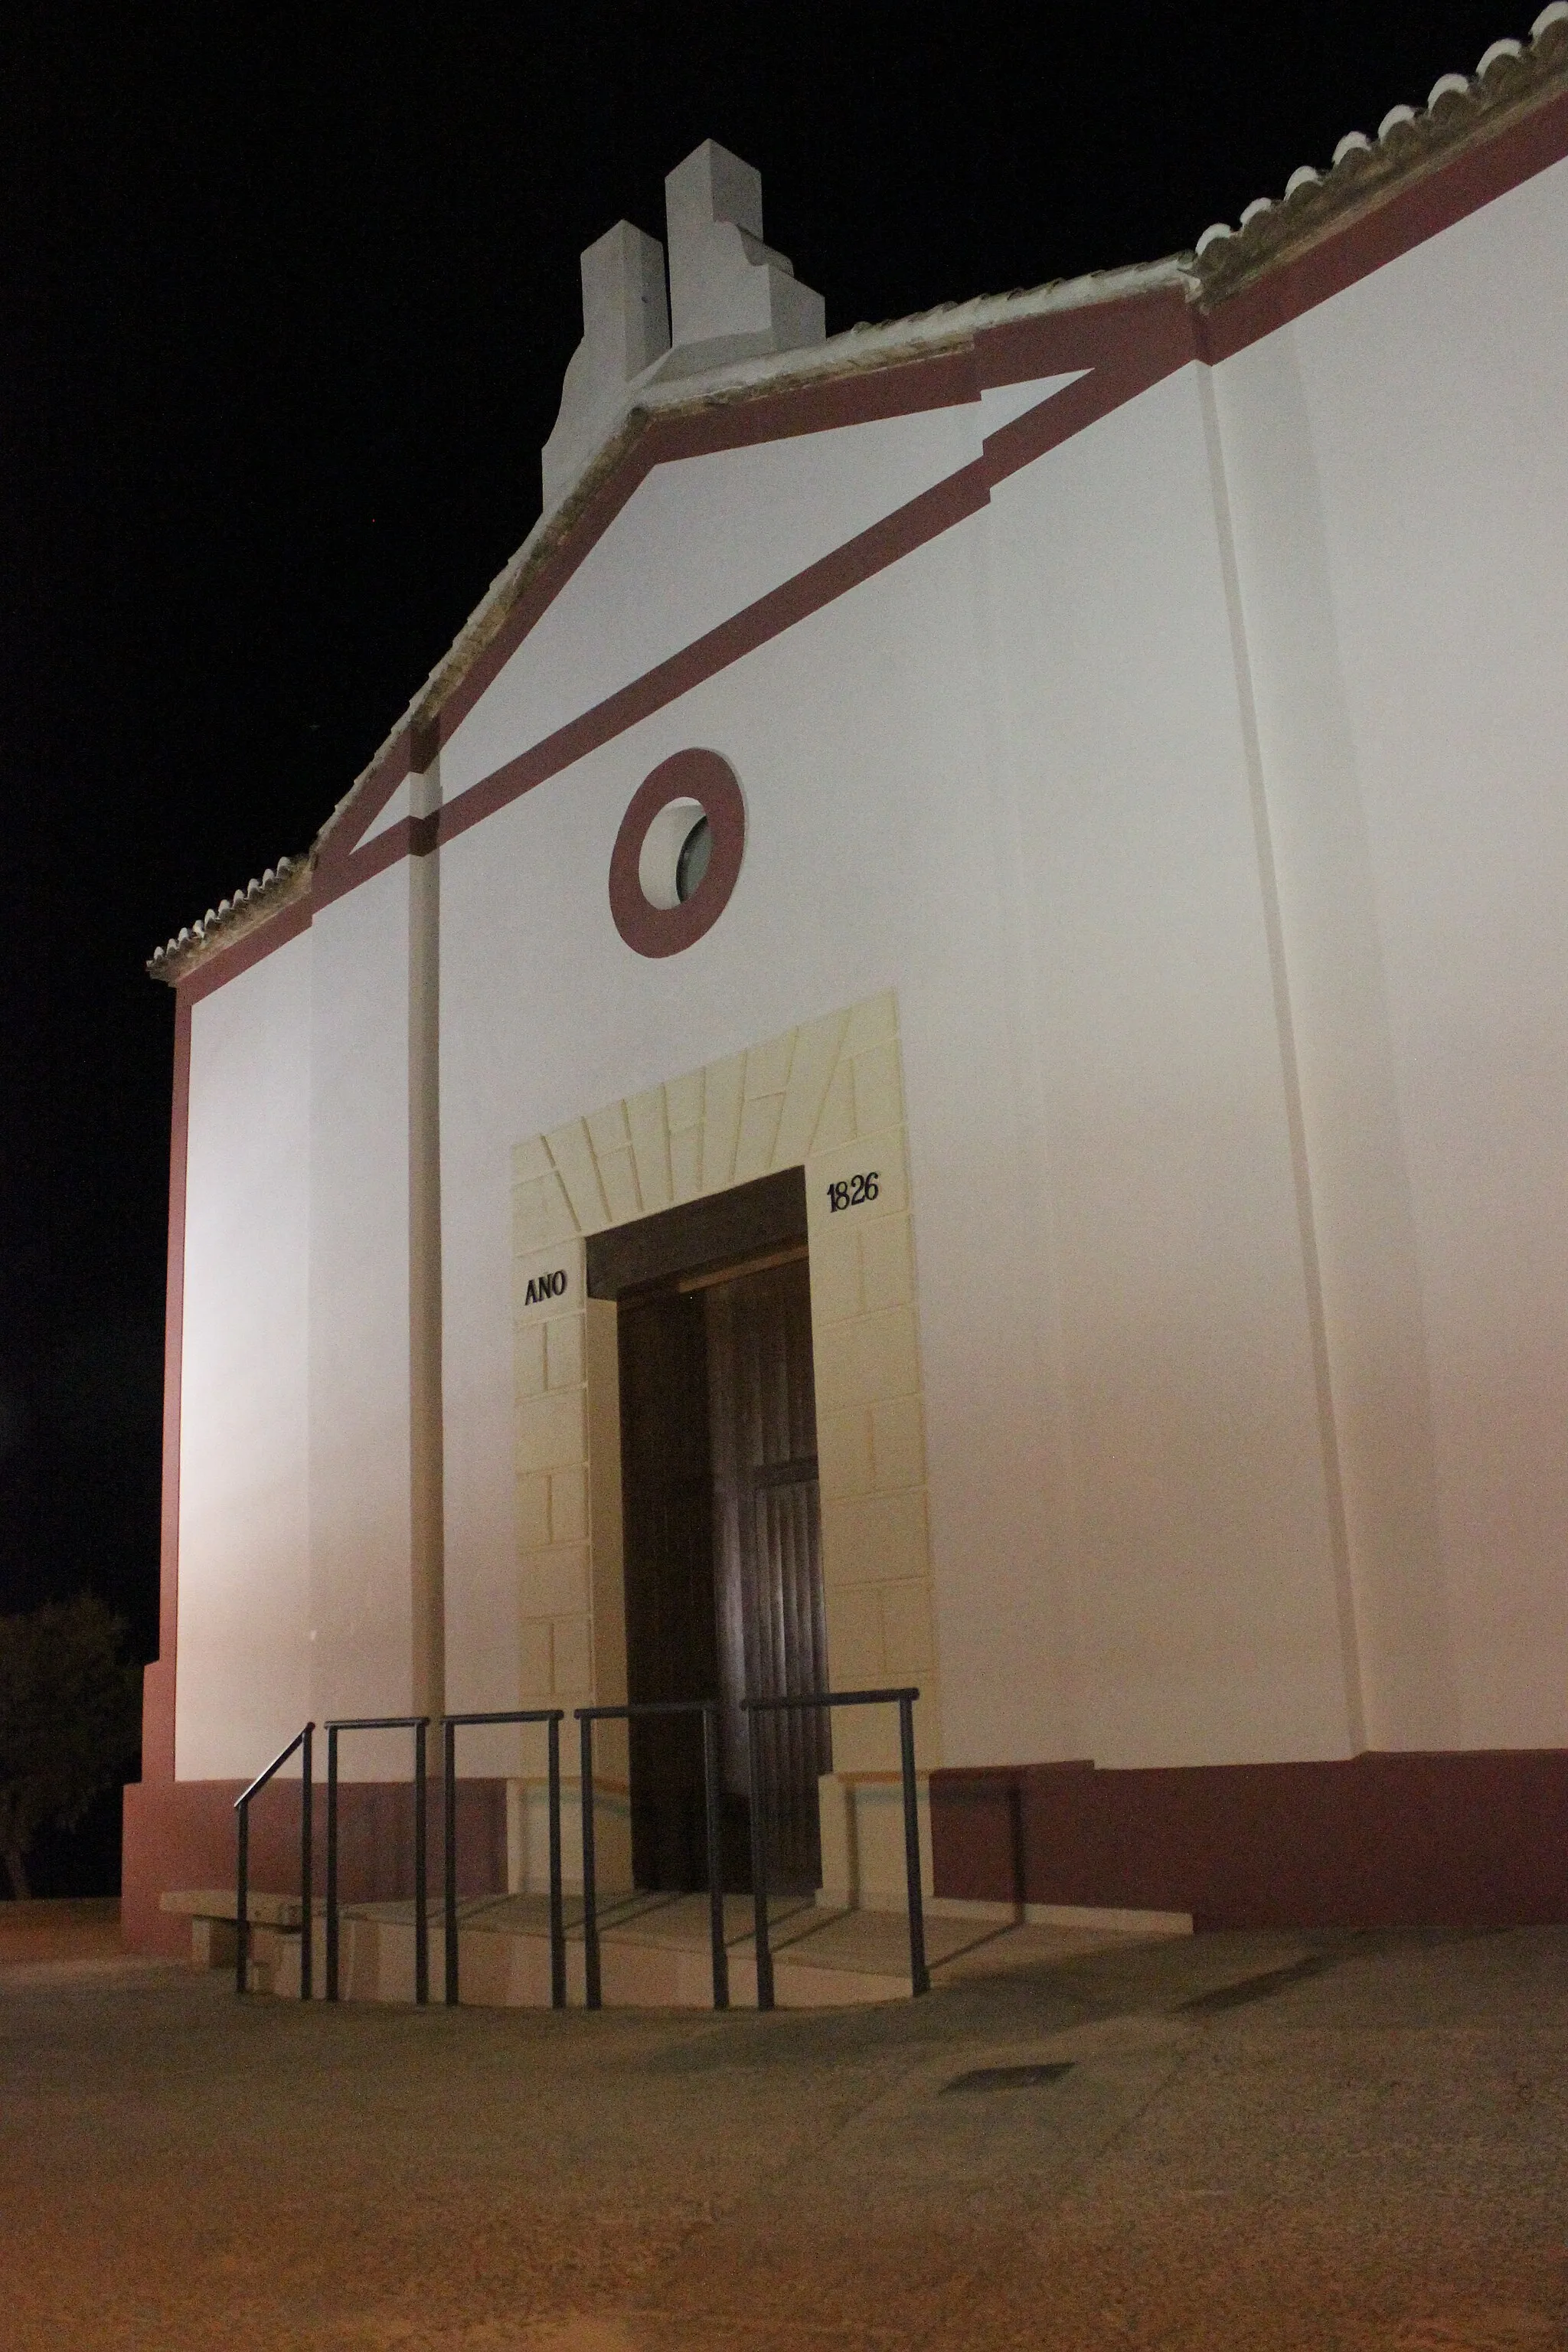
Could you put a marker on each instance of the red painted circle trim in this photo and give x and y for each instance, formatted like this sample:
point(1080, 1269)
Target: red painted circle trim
point(708, 779)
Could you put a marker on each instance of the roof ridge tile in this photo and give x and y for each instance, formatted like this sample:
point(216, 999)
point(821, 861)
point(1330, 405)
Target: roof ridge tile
point(1508, 77)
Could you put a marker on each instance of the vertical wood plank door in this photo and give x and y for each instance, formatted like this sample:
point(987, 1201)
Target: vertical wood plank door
point(767, 1550)
point(667, 1482)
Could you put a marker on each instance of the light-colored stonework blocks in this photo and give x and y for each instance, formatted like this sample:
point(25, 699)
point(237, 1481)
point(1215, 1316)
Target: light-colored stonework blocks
point(862, 1819)
point(541, 1213)
point(551, 1431)
point(813, 1061)
point(569, 1505)
point(531, 1161)
point(535, 1680)
point(573, 1660)
point(878, 1089)
point(533, 1300)
point(555, 1580)
point(836, 1292)
point(552, 1532)
point(563, 1352)
point(722, 1094)
point(578, 1169)
point(527, 1836)
point(876, 1538)
point(533, 1511)
point(887, 1263)
point(650, 1150)
point(768, 1067)
point(872, 1023)
point(836, 1121)
point(881, 1154)
point(759, 1135)
point(854, 1640)
point(845, 1461)
point(898, 1444)
point(909, 1643)
point(528, 1361)
point(868, 1360)
point(619, 1176)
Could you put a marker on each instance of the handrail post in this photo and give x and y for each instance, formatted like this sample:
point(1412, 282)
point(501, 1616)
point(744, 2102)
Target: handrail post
point(242, 1899)
point(759, 1865)
point(551, 1719)
point(421, 1866)
point(307, 1865)
point(919, 1971)
point(557, 1907)
point(592, 1987)
point(331, 1861)
point(449, 1854)
point(919, 1975)
point(715, 1855)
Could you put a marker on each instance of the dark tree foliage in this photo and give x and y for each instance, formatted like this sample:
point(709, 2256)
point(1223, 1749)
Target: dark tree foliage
point(70, 1704)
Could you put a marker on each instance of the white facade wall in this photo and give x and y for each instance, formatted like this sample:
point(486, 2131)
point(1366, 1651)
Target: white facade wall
point(1398, 472)
point(686, 554)
point(361, 1568)
point(243, 1685)
point(546, 1013)
point(910, 809)
point(1200, 801)
point(1196, 1489)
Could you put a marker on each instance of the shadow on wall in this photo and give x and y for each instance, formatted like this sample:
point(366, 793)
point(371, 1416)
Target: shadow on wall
point(375, 1838)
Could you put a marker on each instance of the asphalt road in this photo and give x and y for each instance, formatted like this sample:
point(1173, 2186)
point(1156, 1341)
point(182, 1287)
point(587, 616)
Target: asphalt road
point(1243, 2141)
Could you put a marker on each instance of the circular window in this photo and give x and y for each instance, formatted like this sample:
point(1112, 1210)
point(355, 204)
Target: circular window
point(677, 853)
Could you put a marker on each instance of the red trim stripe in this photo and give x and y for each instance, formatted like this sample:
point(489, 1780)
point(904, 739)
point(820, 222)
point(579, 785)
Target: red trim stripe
point(158, 1683)
point(860, 559)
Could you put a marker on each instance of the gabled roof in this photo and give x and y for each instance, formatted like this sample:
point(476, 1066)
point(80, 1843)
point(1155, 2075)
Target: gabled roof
point(1464, 116)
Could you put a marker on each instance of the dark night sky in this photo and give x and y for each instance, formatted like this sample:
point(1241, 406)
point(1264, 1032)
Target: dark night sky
point(285, 299)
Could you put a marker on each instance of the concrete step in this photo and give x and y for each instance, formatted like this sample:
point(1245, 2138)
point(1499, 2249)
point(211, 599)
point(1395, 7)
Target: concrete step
point(654, 1951)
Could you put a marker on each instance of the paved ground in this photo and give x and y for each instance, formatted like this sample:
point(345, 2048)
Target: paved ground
point(1259, 2144)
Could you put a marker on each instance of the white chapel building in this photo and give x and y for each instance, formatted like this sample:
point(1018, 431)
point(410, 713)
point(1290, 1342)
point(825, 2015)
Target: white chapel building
point(937, 1054)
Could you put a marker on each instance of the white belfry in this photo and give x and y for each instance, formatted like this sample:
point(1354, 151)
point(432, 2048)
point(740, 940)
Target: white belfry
point(729, 294)
point(626, 328)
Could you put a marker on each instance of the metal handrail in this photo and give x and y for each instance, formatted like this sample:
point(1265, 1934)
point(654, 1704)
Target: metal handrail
point(554, 1717)
point(920, 1974)
point(419, 1725)
point(242, 1863)
point(707, 1708)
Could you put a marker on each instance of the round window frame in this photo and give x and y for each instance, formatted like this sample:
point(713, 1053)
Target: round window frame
point(707, 778)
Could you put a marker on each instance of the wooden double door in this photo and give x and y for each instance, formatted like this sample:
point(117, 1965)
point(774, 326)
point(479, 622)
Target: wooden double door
point(723, 1561)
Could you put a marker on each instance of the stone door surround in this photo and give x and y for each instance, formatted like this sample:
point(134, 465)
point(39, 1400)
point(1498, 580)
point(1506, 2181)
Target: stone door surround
point(827, 1097)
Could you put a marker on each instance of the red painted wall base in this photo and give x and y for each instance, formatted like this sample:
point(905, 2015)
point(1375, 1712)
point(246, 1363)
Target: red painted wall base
point(1474, 1839)
point(181, 1834)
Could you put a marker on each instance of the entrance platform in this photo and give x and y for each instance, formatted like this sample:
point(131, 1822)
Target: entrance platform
point(654, 1948)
